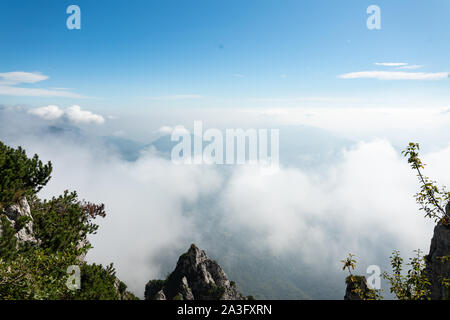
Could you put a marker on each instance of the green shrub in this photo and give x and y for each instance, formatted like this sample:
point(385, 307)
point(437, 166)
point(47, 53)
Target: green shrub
point(61, 226)
point(97, 283)
point(62, 222)
point(20, 175)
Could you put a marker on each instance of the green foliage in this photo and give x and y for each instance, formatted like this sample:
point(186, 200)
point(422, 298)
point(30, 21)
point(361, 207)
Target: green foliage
point(431, 198)
point(35, 274)
point(415, 284)
point(349, 263)
point(445, 282)
point(97, 283)
point(215, 292)
point(38, 270)
point(8, 240)
point(19, 175)
point(122, 287)
point(21, 222)
point(63, 222)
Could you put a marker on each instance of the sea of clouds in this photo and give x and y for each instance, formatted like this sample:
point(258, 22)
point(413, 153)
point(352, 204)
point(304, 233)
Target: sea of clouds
point(361, 203)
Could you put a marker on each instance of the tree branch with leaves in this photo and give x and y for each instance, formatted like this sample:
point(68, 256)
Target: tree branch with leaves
point(432, 199)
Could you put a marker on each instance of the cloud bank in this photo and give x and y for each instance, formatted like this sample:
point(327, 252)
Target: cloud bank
point(74, 114)
point(362, 203)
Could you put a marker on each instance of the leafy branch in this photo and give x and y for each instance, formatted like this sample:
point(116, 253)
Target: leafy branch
point(431, 198)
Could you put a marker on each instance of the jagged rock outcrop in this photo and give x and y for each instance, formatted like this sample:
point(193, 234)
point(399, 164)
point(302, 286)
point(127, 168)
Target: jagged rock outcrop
point(356, 288)
point(196, 277)
point(16, 212)
point(437, 269)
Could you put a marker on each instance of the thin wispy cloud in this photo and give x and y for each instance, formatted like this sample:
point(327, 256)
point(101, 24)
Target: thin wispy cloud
point(177, 97)
point(395, 75)
point(306, 99)
point(34, 92)
point(11, 78)
point(391, 64)
point(399, 65)
point(10, 86)
point(411, 67)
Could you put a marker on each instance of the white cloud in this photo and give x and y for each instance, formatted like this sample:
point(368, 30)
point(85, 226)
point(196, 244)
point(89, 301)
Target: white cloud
point(48, 113)
point(179, 129)
point(374, 121)
point(9, 82)
point(395, 75)
point(399, 65)
point(10, 78)
point(165, 130)
point(411, 67)
point(391, 64)
point(77, 115)
point(34, 92)
point(360, 205)
point(74, 114)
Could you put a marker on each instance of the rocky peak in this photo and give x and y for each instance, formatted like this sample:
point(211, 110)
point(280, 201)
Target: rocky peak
point(196, 277)
point(437, 269)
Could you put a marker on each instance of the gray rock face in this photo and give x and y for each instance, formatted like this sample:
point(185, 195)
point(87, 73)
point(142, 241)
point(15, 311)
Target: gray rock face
point(160, 295)
point(14, 212)
point(435, 268)
point(196, 277)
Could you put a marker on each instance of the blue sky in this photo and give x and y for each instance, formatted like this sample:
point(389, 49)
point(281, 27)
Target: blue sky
point(202, 52)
